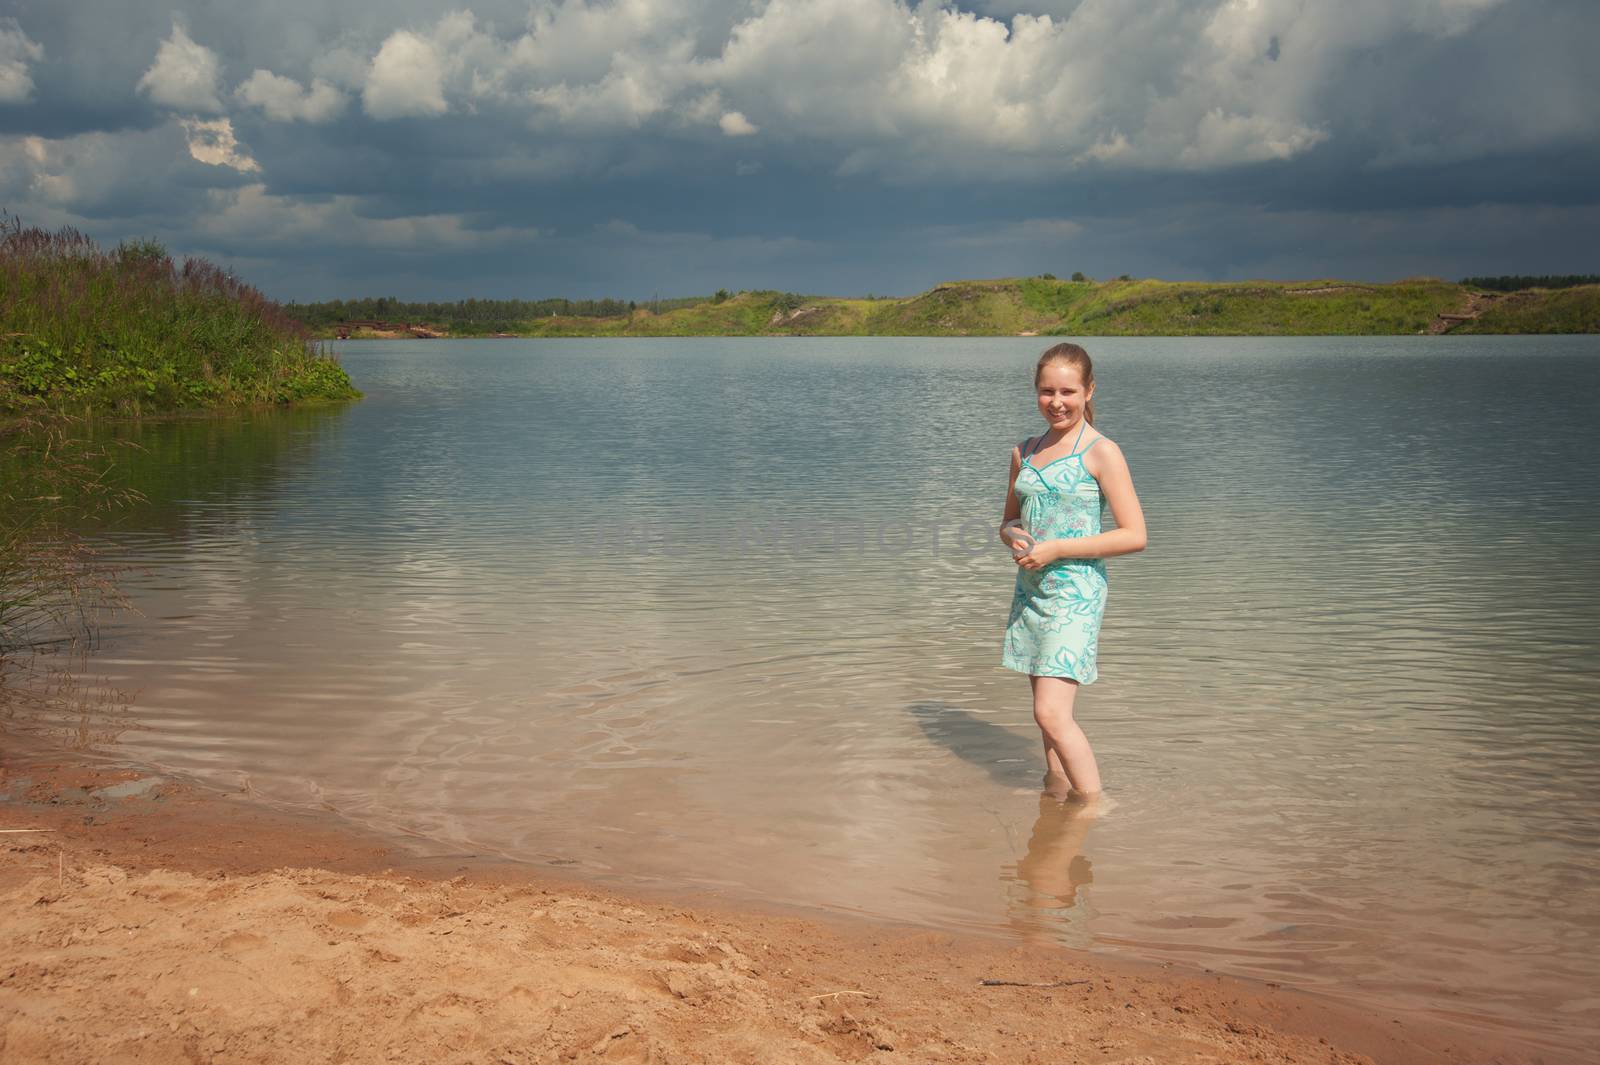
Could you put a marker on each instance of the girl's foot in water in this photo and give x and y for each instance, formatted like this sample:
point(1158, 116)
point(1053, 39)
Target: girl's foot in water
point(1057, 786)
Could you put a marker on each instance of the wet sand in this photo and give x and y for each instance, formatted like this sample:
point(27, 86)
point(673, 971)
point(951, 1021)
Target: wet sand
point(156, 920)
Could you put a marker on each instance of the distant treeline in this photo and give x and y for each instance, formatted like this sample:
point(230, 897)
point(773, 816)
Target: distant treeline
point(471, 315)
point(1518, 282)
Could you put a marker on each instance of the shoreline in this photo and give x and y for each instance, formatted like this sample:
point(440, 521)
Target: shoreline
point(924, 336)
point(1012, 306)
point(14, 420)
point(156, 917)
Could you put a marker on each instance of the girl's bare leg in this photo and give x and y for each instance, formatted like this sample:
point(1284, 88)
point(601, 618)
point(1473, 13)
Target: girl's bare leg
point(1053, 699)
point(1056, 784)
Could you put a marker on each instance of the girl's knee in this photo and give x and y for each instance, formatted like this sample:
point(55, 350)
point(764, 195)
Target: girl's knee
point(1052, 717)
point(1056, 698)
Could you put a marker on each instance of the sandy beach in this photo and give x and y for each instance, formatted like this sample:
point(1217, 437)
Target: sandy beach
point(150, 919)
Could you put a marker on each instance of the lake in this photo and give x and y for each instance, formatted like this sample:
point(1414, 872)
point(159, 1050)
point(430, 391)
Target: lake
point(726, 615)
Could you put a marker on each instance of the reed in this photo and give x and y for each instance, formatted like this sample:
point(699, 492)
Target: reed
point(52, 583)
point(131, 332)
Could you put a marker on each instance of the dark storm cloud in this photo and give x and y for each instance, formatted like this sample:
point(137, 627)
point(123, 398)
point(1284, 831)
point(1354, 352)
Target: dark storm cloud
point(637, 146)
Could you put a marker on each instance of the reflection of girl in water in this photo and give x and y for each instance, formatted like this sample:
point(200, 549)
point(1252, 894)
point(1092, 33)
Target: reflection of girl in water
point(1059, 482)
point(1053, 869)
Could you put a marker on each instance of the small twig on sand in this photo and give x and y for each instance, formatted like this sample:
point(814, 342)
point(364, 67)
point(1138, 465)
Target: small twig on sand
point(1023, 983)
point(61, 869)
point(836, 994)
point(9, 831)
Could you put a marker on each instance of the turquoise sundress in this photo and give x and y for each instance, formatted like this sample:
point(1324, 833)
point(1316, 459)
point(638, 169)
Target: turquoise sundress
point(1054, 628)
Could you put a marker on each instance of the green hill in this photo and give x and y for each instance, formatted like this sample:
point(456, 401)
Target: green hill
point(969, 308)
point(1125, 307)
point(1264, 308)
point(1540, 310)
point(746, 314)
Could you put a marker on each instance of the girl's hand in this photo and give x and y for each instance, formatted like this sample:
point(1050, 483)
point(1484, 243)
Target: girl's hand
point(1018, 539)
point(1041, 554)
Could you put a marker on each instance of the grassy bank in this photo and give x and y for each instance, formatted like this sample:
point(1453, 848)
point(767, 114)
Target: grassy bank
point(1566, 310)
point(130, 332)
point(1047, 306)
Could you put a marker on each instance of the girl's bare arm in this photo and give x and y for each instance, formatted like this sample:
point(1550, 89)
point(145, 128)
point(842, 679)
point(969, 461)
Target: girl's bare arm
point(1013, 508)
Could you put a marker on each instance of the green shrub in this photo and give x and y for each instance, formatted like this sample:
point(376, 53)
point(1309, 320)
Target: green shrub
point(132, 332)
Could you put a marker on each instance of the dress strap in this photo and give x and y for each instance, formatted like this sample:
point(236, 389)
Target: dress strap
point(1092, 443)
point(1073, 450)
point(1038, 443)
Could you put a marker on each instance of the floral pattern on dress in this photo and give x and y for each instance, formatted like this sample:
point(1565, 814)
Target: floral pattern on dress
point(1054, 626)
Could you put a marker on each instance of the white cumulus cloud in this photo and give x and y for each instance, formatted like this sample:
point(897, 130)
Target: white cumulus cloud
point(912, 91)
point(283, 100)
point(734, 124)
point(184, 75)
point(406, 79)
point(212, 141)
point(17, 50)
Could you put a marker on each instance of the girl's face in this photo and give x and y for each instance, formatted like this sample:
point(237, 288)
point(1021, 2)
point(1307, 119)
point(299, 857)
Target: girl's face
point(1062, 396)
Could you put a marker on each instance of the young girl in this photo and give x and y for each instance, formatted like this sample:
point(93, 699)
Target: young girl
point(1058, 483)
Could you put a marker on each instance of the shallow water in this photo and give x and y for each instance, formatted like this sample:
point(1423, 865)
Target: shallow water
point(675, 611)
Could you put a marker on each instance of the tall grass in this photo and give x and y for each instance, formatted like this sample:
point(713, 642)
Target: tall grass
point(130, 332)
point(51, 583)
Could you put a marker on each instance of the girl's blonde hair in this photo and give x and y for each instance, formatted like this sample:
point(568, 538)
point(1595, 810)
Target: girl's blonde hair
point(1072, 355)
